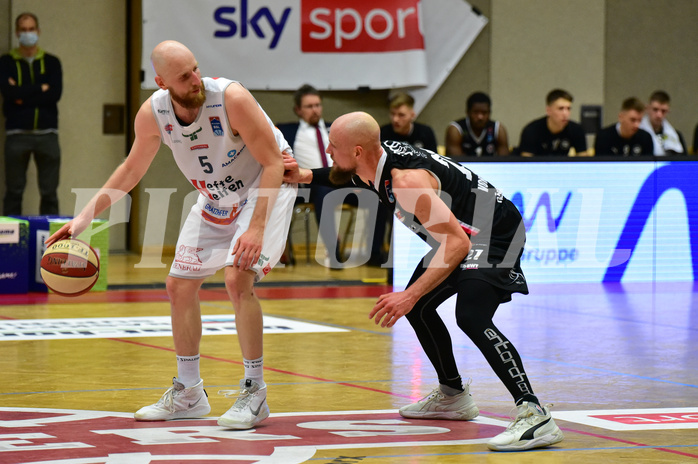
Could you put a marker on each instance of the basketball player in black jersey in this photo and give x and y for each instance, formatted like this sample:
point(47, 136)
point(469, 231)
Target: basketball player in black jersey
point(477, 238)
point(477, 134)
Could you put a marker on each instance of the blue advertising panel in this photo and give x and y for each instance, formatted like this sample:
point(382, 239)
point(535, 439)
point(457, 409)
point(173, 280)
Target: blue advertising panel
point(592, 221)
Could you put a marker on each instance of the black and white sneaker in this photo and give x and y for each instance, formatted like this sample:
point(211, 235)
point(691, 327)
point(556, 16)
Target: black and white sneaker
point(533, 427)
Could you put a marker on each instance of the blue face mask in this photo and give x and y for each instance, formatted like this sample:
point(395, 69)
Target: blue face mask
point(28, 39)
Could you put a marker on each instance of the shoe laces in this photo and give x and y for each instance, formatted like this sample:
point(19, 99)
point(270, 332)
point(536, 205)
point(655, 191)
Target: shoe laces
point(435, 395)
point(167, 400)
point(524, 419)
point(243, 397)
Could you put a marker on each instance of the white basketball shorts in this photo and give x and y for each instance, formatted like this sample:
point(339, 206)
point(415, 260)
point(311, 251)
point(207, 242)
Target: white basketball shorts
point(205, 244)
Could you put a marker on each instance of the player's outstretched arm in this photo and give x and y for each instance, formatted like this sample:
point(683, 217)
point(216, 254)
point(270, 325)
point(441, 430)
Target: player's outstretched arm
point(124, 178)
point(294, 174)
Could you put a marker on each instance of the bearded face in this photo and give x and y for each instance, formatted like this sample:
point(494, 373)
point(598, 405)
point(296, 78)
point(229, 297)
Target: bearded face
point(339, 176)
point(189, 100)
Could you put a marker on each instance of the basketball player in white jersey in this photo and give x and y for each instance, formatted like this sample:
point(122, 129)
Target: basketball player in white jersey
point(228, 148)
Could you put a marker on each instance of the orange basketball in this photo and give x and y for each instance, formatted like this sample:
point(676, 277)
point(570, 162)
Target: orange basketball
point(70, 267)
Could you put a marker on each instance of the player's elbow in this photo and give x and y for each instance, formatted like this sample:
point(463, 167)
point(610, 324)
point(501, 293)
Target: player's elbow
point(464, 248)
point(459, 248)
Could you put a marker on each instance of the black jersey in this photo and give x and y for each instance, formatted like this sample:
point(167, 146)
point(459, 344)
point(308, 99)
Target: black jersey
point(492, 222)
point(609, 142)
point(421, 136)
point(472, 145)
point(536, 138)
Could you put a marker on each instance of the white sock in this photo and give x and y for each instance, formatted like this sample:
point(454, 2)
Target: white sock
point(188, 370)
point(254, 370)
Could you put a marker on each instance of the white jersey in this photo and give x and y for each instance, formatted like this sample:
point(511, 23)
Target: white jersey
point(214, 160)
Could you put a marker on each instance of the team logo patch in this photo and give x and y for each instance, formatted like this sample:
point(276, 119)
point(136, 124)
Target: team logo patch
point(168, 128)
point(389, 191)
point(188, 254)
point(193, 136)
point(216, 126)
point(59, 436)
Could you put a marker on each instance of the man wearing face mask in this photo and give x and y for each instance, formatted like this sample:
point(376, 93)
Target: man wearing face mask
point(31, 82)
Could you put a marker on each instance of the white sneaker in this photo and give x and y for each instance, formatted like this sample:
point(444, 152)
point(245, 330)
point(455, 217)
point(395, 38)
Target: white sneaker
point(437, 405)
point(533, 427)
point(177, 403)
point(249, 409)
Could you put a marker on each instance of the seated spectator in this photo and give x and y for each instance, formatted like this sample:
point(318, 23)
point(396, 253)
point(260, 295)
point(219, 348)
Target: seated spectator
point(667, 140)
point(625, 138)
point(477, 134)
point(554, 134)
point(308, 137)
point(402, 127)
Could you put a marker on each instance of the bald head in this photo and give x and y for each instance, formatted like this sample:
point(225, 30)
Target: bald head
point(355, 147)
point(178, 72)
point(168, 56)
point(359, 128)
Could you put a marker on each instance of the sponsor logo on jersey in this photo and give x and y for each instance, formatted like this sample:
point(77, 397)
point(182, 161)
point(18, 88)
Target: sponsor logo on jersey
point(233, 155)
point(360, 27)
point(218, 189)
point(193, 136)
point(215, 105)
point(216, 126)
point(517, 277)
point(219, 216)
point(163, 111)
point(202, 146)
point(188, 254)
point(262, 260)
point(389, 191)
point(217, 211)
point(469, 229)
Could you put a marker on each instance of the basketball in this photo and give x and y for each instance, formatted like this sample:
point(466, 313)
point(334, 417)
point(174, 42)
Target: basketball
point(70, 267)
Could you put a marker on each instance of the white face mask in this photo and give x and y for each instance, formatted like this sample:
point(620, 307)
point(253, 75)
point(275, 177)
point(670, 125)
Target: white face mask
point(28, 39)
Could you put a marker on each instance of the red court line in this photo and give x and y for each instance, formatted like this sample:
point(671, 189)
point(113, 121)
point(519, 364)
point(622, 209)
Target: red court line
point(266, 368)
point(620, 440)
point(358, 291)
point(205, 294)
point(375, 390)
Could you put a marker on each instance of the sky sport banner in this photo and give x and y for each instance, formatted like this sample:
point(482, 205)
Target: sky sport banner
point(339, 45)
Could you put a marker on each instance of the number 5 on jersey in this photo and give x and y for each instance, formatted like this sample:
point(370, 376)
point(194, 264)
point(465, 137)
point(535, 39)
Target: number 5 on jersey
point(208, 167)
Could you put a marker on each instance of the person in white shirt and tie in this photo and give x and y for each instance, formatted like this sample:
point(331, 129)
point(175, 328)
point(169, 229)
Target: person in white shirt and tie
point(309, 139)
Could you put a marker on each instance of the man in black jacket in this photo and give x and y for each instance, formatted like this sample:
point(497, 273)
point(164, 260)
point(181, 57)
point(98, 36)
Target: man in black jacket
point(31, 82)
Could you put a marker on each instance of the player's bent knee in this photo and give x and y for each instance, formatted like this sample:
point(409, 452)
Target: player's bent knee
point(471, 324)
point(178, 288)
point(239, 284)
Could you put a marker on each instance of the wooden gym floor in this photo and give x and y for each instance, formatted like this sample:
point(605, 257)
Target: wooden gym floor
point(619, 362)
